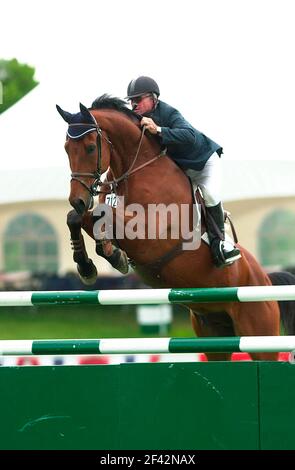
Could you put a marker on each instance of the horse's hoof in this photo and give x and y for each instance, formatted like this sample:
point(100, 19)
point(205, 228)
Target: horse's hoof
point(123, 265)
point(90, 278)
point(119, 260)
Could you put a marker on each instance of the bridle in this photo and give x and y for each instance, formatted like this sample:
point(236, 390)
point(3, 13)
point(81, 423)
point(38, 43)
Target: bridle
point(92, 189)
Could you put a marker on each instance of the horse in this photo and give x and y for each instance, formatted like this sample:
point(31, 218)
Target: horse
point(107, 138)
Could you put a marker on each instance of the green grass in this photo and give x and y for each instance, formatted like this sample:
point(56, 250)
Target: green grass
point(81, 322)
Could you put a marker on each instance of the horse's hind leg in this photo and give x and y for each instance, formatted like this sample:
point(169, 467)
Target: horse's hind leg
point(86, 269)
point(213, 325)
point(258, 319)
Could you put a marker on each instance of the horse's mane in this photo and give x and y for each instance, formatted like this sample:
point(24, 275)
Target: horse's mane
point(106, 101)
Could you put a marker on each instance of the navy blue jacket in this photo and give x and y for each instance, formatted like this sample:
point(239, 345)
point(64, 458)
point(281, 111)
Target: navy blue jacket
point(187, 146)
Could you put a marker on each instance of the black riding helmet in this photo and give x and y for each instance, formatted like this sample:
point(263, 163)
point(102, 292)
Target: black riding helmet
point(141, 85)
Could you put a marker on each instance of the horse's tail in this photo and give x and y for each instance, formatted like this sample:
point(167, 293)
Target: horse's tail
point(287, 307)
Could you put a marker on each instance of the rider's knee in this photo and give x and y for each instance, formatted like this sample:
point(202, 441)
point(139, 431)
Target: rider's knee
point(210, 195)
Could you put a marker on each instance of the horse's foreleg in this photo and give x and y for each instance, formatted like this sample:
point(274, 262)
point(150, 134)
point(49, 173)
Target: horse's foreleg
point(116, 257)
point(104, 247)
point(86, 269)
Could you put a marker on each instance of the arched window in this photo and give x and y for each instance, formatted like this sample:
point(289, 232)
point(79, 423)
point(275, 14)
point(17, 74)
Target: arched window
point(277, 239)
point(30, 244)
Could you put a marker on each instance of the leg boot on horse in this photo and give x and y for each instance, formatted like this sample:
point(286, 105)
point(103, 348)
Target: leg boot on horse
point(85, 267)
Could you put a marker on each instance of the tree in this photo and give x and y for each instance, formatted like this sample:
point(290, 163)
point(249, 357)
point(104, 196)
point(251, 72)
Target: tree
point(16, 80)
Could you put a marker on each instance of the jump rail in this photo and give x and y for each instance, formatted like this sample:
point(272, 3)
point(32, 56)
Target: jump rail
point(149, 296)
point(147, 345)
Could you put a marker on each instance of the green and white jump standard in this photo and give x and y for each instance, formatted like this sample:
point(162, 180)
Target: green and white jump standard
point(149, 296)
point(148, 345)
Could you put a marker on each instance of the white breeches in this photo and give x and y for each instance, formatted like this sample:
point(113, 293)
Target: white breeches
point(209, 180)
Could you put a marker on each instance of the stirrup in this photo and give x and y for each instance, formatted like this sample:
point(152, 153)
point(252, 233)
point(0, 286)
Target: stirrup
point(220, 259)
point(229, 256)
point(232, 259)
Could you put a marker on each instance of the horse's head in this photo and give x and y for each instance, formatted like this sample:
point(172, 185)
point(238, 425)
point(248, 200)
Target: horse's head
point(85, 145)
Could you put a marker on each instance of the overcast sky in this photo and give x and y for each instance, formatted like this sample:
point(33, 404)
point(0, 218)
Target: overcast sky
point(227, 65)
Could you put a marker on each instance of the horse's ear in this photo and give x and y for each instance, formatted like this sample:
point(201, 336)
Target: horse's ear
point(86, 113)
point(64, 114)
point(84, 110)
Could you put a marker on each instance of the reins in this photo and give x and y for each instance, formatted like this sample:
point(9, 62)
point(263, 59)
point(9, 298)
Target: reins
point(132, 170)
point(97, 174)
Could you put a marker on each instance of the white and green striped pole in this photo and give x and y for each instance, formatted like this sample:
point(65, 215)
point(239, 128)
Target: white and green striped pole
point(148, 345)
point(149, 296)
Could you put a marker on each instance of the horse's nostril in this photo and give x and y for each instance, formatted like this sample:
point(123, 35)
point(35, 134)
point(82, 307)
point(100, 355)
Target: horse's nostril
point(78, 205)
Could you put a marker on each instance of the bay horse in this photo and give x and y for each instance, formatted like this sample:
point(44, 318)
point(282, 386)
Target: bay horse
point(108, 138)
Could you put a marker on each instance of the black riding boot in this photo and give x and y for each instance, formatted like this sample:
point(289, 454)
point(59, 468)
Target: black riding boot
point(223, 252)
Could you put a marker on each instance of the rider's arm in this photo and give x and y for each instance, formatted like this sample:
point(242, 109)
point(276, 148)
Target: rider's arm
point(179, 132)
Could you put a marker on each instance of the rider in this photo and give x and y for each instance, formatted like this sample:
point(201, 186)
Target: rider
point(194, 152)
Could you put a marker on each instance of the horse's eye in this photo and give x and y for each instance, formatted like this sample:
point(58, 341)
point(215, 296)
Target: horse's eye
point(90, 148)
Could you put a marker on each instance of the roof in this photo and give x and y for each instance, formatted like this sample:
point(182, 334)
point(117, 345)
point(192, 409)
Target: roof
point(34, 184)
point(241, 180)
point(250, 179)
